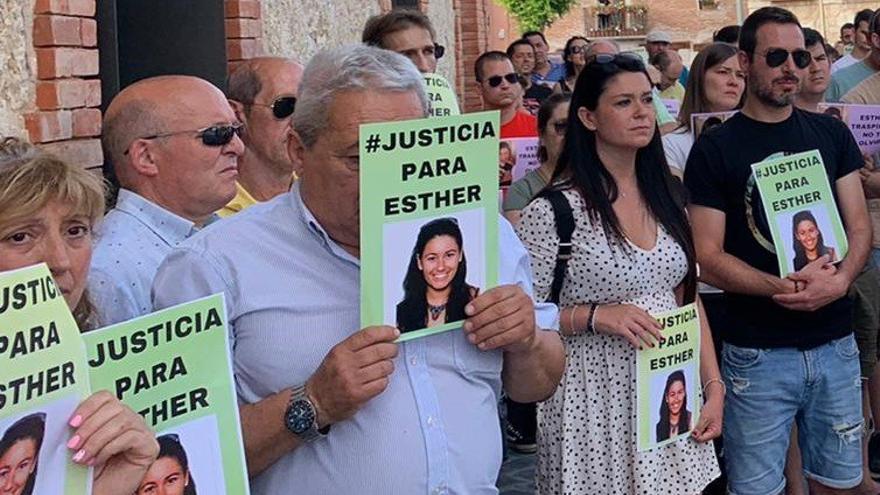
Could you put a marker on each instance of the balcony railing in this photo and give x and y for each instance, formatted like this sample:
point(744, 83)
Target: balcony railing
point(610, 21)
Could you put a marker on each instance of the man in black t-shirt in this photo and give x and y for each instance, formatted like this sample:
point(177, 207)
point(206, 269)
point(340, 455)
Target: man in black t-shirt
point(789, 352)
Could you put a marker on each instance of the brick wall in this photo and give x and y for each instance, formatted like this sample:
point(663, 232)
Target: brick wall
point(471, 35)
point(244, 30)
point(67, 120)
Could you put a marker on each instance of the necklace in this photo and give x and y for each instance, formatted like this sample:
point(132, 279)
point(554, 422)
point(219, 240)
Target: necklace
point(436, 311)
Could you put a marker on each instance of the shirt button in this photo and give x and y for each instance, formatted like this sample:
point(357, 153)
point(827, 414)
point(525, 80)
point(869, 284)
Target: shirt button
point(413, 361)
point(430, 420)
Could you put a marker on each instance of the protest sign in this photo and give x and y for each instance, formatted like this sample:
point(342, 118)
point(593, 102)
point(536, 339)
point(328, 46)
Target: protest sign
point(669, 397)
point(801, 210)
point(441, 98)
point(43, 378)
point(429, 220)
point(516, 158)
point(173, 367)
point(863, 121)
point(704, 121)
point(672, 106)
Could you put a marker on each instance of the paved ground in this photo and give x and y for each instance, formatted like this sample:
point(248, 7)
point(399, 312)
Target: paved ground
point(517, 475)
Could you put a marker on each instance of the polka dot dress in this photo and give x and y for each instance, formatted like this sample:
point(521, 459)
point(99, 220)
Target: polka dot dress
point(587, 430)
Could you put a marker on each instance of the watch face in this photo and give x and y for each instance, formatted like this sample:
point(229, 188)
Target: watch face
point(300, 417)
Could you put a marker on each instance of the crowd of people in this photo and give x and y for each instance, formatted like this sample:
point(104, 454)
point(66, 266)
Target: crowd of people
point(255, 193)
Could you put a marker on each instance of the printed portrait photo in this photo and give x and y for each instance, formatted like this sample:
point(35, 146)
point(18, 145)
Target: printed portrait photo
point(836, 111)
point(189, 461)
point(701, 123)
point(810, 236)
point(33, 453)
point(506, 162)
point(674, 400)
point(432, 269)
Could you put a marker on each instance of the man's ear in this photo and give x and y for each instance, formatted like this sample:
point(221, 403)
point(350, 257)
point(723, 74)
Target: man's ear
point(238, 108)
point(296, 151)
point(142, 158)
point(745, 61)
point(587, 118)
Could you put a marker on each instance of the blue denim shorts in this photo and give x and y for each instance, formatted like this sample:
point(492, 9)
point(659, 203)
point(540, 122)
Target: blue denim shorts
point(768, 389)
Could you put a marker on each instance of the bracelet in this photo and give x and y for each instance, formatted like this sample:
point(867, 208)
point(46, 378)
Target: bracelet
point(718, 381)
point(571, 328)
point(593, 310)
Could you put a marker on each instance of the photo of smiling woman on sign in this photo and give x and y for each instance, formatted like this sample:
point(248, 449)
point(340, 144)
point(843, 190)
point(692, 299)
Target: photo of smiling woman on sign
point(19, 453)
point(435, 288)
point(169, 474)
point(807, 240)
point(675, 419)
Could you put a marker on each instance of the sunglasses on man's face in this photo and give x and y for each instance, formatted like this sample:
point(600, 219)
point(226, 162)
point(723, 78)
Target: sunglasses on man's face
point(495, 81)
point(777, 56)
point(216, 135)
point(282, 107)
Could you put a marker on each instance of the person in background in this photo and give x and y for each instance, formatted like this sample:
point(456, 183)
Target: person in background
point(499, 88)
point(659, 41)
point(49, 210)
point(851, 77)
point(575, 56)
point(173, 142)
point(407, 32)
point(861, 41)
point(727, 34)
point(262, 92)
point(847, 39)
point(628, 214)
point(818, 73)
point(552, 122)
point(546, 72)
point(311, 382)
point(784, 324)
point(716, 84)
point(669, 63)
point(522, 55)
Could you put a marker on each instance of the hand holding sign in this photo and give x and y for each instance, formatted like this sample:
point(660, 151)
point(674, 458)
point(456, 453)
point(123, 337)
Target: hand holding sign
point(114, 439)
point(501, 318)
point(630, 322)
point(352, 373)
point(711, 416)
point(823, 286)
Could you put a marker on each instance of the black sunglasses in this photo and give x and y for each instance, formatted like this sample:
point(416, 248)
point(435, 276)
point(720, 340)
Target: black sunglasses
point(560, 127)
point(605, 58)
point(216, 135)
point(777, 56)
point(282, 107)
point(495, 81)
point(439, 50)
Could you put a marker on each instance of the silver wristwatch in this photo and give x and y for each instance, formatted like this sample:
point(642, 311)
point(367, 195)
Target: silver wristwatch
point(301, 417)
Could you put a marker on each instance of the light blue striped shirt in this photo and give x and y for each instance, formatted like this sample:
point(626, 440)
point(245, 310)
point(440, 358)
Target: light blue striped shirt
point(133, 239)
point(292, 294)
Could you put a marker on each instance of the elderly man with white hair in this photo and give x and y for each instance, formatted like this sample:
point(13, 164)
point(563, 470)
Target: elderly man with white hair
point(327, 407)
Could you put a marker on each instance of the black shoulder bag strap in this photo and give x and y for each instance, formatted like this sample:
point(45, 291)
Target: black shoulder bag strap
point(564, 218)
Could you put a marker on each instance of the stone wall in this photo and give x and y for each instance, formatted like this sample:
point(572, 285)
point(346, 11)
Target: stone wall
point(442, 17)
point(17, 65)
point(826, 16)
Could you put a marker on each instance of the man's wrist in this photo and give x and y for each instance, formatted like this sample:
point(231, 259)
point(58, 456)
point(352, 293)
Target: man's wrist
point(320, 416)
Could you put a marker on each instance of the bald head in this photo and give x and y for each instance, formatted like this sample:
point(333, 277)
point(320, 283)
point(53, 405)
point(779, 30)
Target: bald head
point(148, 107)
point(598, 47)
point(251, 76)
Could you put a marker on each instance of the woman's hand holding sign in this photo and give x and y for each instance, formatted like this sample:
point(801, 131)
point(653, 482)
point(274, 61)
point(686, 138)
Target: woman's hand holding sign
point(817, 285)
point(711, 415)
point(630, 322)
point(114, 439)
point(352, 373)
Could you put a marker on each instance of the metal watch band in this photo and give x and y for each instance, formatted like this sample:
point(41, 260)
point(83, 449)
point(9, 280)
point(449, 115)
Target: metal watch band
point(311, 434)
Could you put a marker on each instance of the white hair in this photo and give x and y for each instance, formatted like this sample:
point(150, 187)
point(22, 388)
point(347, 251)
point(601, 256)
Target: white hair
point(354, 67)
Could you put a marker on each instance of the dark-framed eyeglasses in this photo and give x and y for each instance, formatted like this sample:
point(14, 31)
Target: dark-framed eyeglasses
point(439, 50)
point(215, 135)
point(495, 81)
point(777, 56)
point(282, 107)
point(577, 49)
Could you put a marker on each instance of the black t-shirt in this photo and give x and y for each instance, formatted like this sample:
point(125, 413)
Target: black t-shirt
point(719, 175)
point(534, 96)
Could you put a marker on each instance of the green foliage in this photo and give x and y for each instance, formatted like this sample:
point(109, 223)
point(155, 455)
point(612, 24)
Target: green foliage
point(537, 14)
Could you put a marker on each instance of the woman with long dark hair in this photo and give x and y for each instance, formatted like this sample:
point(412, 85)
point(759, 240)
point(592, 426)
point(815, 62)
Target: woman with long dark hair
point(675, 418)
point(575, 56)
point(632, 255)
point(20, 454)
point(169, 474)
point(807, 240)
point(435, 290)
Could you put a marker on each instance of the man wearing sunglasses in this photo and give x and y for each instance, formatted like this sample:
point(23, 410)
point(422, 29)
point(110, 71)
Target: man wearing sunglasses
point(173, 142)
point(407, 32)
point(789, 352)
point(848, 79)
point(262, 91)
point(500, 89)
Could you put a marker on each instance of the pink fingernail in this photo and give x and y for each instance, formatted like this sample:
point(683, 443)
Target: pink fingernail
point(79, 455)
point(73, 442)
point(76, 421)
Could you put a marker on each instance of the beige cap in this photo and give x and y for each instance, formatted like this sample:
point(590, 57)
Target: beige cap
point(658, 37)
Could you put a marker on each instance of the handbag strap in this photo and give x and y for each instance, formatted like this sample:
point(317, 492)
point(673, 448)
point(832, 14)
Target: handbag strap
point(564, 219)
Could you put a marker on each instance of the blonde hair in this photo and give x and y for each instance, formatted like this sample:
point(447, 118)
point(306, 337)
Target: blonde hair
point(31, 178)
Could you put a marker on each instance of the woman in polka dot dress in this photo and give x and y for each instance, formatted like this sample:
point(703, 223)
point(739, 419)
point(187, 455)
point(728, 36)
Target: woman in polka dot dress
point(632, 255)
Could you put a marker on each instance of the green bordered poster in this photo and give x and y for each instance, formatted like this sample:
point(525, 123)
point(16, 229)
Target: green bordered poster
point(801, 210)
point(429, 220)
point(43, 378)
point(173, 367)
point(668, 380)
point(441, 97)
